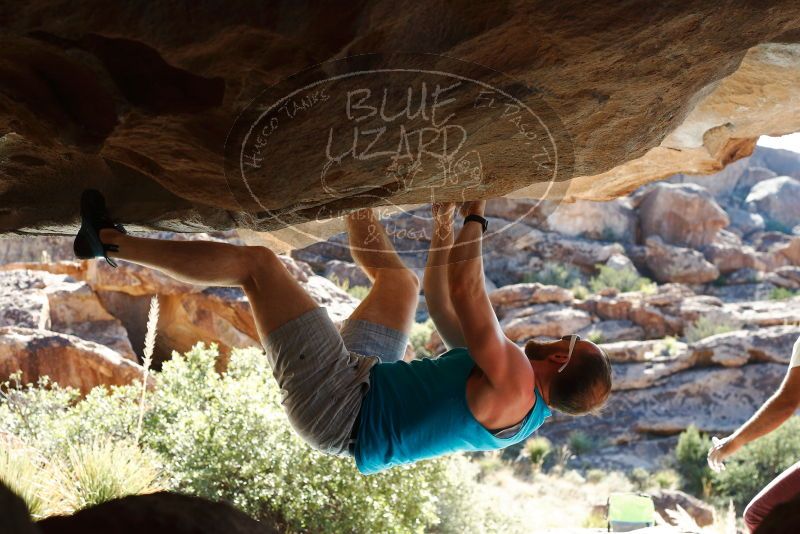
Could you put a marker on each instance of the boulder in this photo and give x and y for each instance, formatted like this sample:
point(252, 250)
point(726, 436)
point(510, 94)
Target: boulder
point(65, 359)
point(627, 376)
point(744, 222)
point(157, 513)
point(734, 349)
point(521, 295)
point(763, 313)
point(681, 214)
point(728, 254)
point(677, 264)
point(620, 262)
point(777, 199)
point(605, 221)
point(609, 331)
point(650, 350)
point(754, 173)
point(787, 277)
point(544, 320)
point(668, 500)
point(781, 249)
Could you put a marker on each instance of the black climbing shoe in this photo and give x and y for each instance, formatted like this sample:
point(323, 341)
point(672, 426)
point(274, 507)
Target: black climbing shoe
point(94, 218)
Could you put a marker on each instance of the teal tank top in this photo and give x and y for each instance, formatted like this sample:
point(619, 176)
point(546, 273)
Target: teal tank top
point(417, 410)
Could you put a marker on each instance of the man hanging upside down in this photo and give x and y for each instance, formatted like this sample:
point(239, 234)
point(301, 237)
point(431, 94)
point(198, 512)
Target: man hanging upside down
point(348, 392)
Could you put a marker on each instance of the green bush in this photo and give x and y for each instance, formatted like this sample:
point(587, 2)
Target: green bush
point(621, 279)
point(782, 293)
point(665, 479)
point(595, 476)
point(536, 450)
point(226, 437)
point(419, 337)
point(640, 478)
point(581, 443)
point(705, 327)
point(756, 464)
point(691, 458)
point(556, 274)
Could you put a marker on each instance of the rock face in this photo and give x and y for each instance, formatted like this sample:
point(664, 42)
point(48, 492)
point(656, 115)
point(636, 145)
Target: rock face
point(677, 264)
point(102, 313)
point(66, 360)
point(680, 214)
point(152, 135)
point(778, 199)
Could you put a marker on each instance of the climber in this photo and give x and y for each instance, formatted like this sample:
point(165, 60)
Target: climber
point(777, 409)
point(348, 392)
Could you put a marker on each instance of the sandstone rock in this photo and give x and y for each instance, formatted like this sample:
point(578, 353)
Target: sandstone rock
point(700, 512)
point(342, 272)
point(643, 351)
point(620, 262)
point(76, 310)
point(781, 249)
point(676, 264)
point(612, 308)
point(734, 349)
point(627, 376)
point(680, 214)
point(609, 331)
point(23, 304)
point(46, 248)
point(780, 281)
point(134, 280)
point(744, 276)
point(744, 222)
point(157, 513)
point(754, 173)
point(204, 77)
point(777, 199)
point(766, 312)
point(721, 185)
point(547, 320)
point(73, 269)
point(728, 254)
point(67, 360)
point(521, 295)
point(605, 221)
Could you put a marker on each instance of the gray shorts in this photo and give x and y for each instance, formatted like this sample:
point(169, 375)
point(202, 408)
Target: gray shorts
point(324, 374)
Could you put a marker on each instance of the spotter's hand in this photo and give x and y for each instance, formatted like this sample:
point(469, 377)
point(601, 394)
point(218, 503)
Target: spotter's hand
point(720, 449)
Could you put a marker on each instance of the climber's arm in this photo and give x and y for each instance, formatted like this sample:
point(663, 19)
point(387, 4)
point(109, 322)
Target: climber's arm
point(436, 289)
point(498, 357)
point(775, 411)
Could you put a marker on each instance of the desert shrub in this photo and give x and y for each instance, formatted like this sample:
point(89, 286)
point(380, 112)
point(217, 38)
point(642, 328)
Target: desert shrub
point(226, 437)
point(640, 478)
point(756, 464)
point(581, 443)
point(620, 279)
point(556, 274)
point(420, 334)
point(596, 336)
point(782, 293)
point(706, 326)
point(536, 450)
point(579, 291)
point(690, 455)
point(357, 292)
point(665, 479)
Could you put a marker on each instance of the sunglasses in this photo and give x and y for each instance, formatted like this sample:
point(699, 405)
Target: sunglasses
point(574, 338)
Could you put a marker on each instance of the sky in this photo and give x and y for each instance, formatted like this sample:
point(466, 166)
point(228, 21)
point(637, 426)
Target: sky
point(786, 142)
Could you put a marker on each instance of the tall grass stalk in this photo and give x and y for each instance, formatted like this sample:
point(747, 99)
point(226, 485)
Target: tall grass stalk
point(149, 348)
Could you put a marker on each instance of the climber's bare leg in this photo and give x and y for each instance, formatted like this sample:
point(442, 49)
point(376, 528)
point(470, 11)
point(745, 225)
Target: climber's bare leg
point(392, 300)
point(275, 296)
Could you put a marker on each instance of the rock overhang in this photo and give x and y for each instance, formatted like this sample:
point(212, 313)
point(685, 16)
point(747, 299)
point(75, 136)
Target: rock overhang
point(140, 103)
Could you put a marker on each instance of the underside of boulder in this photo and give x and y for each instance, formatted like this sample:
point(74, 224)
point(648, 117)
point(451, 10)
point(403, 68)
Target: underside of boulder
point(193, 118)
